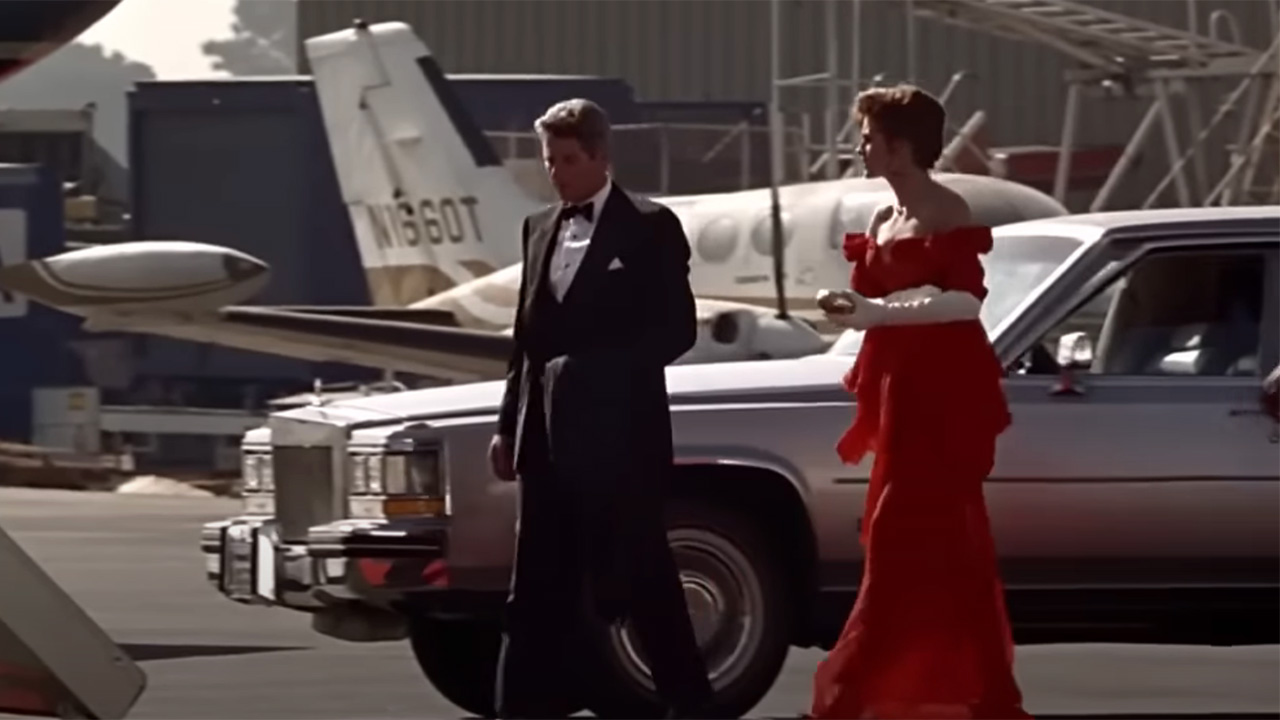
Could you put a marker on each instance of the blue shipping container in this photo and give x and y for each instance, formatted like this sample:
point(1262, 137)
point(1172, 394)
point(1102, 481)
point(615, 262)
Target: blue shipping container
point(35, 339)
point(244, 163)
point(510, 103)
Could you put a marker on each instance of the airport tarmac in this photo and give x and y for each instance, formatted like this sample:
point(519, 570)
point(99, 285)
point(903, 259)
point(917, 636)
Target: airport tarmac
point(134, 563)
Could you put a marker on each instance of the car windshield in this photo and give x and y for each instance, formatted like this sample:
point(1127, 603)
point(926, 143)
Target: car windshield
point(1015, 267)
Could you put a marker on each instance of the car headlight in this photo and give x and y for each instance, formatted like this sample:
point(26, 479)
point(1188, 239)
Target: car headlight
point(255, 469)
point(366, 474)
point(398, 484)
point(417, 473)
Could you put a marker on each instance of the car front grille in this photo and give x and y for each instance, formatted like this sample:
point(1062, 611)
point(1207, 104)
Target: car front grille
point(305, 489)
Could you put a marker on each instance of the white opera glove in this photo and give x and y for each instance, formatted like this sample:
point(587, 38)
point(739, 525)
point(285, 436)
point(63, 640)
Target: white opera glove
point(926, 308)
point(915, 306)
point(915, 294)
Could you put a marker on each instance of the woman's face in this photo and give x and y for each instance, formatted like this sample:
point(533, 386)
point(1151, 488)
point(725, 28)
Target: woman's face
point(881, 156)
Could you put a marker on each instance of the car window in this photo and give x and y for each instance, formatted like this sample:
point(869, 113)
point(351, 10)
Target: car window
point(1014, 268)
point(1194, 312)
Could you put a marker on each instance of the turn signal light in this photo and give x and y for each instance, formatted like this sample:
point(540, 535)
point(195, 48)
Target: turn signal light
point(393, 507)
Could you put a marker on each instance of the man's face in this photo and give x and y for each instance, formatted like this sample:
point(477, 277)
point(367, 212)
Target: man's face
point(575, 175)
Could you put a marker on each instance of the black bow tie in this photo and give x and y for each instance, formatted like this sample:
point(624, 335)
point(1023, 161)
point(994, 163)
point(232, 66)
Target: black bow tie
point(586, 210)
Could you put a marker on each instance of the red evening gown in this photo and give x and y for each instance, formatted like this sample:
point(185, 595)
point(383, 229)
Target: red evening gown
point(928, 635)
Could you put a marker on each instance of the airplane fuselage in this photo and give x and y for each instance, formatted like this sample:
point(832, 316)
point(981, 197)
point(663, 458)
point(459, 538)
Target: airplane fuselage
point(731, 243)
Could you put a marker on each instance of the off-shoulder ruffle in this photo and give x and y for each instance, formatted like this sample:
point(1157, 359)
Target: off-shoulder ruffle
point(855, 245)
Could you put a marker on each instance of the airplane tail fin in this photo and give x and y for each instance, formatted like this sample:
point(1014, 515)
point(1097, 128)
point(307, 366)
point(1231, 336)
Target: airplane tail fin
point(431, 203)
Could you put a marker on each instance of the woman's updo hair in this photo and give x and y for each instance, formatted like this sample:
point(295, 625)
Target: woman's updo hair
point(905, 112)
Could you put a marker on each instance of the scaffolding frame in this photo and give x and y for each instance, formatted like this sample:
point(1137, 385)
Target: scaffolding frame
point(1120, 55)
point(834, 132)
point(839, 135)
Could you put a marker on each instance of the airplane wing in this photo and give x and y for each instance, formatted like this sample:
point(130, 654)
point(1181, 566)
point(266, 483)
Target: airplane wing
point(402, 345)
point(192, 291)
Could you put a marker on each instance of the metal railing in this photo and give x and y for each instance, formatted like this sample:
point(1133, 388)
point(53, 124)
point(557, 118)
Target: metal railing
point(681, 158)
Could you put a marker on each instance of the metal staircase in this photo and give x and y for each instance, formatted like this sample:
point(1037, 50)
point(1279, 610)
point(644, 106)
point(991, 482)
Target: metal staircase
point(1099, 39)
point(1116, 54)
point(1256, 142)
point(1253, 177)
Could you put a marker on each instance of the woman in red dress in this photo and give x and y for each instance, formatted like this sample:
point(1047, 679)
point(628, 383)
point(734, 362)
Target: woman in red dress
point(928, 636)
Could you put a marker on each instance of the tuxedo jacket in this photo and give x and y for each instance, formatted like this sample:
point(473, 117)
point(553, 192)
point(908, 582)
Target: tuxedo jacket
point(586, 385)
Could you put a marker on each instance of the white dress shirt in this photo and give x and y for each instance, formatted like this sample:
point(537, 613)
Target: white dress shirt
point(572, 242)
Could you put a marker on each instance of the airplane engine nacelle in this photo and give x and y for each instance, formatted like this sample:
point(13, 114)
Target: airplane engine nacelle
point(751, 334)
point(791, 337)
point(147, 276)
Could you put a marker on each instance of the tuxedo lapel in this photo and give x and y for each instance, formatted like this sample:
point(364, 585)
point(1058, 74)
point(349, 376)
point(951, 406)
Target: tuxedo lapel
point(540, 244)
point(603, 246)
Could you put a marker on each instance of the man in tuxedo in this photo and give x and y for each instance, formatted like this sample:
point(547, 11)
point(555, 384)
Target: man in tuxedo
point(585, 429)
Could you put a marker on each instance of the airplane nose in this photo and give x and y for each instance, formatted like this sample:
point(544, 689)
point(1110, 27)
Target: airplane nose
point(243, 267)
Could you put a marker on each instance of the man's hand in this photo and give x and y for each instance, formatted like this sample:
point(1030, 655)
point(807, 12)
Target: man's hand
point(502, 458)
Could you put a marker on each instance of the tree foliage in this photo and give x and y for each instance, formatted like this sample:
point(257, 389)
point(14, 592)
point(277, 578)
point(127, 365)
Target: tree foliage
point(75, 76)
point(263, 42)
point(77, 68)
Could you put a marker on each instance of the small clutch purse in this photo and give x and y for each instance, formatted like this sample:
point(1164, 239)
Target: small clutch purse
point(836, 302)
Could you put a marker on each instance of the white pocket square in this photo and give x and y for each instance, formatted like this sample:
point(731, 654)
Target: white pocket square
point(616, 264)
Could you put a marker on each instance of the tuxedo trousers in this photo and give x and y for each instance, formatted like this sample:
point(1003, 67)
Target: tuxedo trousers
point(555, 629)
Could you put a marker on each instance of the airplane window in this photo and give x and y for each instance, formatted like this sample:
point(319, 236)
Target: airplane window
point(762, 233)
point(717, 240)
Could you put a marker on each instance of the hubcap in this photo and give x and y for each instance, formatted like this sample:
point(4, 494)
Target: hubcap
point(706, 606)
point(724, 600)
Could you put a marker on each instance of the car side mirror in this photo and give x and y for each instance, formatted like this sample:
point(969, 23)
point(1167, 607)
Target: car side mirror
point(1075, 351)
point(1271, 394)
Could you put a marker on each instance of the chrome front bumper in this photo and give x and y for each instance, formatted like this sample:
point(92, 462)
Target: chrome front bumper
point(374, 562)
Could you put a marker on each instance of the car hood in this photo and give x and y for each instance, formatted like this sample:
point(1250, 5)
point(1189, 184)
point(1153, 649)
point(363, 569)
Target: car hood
point(756, 381)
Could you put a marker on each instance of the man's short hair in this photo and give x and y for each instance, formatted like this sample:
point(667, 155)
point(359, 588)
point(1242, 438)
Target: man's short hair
point(577, 119)
point(905, 112)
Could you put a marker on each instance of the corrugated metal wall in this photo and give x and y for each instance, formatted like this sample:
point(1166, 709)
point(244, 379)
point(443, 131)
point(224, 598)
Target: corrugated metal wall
point(719, 50)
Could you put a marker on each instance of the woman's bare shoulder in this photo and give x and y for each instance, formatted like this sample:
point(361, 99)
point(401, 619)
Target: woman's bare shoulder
point(951, 210)
point(954, 232)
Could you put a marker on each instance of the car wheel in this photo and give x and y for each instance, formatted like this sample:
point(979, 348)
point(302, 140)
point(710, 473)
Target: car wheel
point(736, 589)
point(460, 659)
